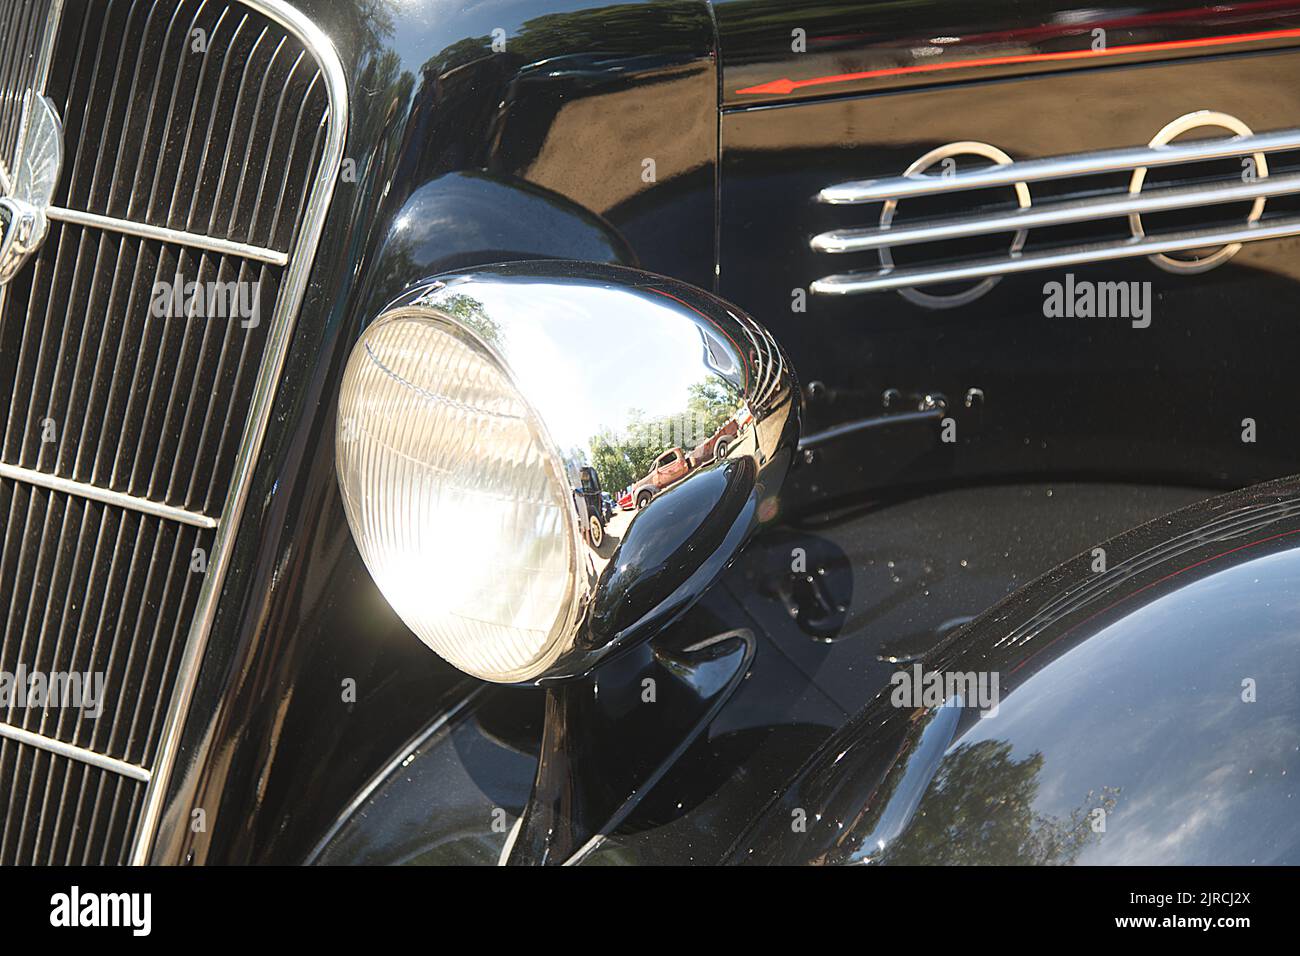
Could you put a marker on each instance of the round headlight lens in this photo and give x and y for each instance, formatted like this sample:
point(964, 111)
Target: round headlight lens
point(456, 502)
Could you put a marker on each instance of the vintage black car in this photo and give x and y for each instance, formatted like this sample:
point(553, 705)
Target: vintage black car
point(312, 310)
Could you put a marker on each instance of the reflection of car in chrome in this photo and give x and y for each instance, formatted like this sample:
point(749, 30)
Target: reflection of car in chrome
point(589, 500)
point(669, 468)
point(715, 446)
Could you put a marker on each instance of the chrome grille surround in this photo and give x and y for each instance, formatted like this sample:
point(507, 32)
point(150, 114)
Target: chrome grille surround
point(97, 549)
point(1126, 204)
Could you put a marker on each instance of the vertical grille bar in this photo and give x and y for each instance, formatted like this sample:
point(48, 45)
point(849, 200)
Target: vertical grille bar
point(21, 23)
point(63, 811)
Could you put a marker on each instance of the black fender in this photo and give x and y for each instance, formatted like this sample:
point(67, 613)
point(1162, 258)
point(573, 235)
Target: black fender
point(1148, 713)
point(467, 218)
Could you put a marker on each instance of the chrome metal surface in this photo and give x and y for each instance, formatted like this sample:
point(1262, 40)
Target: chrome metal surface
point(282, 322)
point(24, 208)
point(939, 155)
point(701, 389)
point(1176, 128)
point(76, 753)
point(1060, 167)
point(40, 152)
point(24, 57)
point(106, 495)
point(45, 55)
point(1252, 184)
point(136, 456)
point(851, 283)
point(1057, 214)
point(216, 244)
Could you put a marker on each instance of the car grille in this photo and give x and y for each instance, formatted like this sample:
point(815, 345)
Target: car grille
point(201, 139)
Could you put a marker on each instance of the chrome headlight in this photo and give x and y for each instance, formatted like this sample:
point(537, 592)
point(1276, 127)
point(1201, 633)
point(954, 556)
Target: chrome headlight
point(481, 416)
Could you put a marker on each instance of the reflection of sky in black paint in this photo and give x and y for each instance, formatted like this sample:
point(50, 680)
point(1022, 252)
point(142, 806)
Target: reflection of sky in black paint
point(474, 19)
point(1152, 705)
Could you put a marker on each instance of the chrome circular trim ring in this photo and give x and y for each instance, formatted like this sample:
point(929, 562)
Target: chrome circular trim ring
point(936, 155)
point(1170, 132)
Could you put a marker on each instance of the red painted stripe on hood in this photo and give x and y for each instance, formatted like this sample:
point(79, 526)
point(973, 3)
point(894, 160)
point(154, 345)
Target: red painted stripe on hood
point(784, 86)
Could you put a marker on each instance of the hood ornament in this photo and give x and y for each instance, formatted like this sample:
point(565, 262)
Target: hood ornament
point(23, 220)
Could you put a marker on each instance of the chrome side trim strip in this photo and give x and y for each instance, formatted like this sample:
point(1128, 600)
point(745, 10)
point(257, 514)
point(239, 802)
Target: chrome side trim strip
point(853, 283)
point(105, 496)
point(145, 231)
point(75, 753)
point(301, 260)
point(1055, 214)
point(1059, 167)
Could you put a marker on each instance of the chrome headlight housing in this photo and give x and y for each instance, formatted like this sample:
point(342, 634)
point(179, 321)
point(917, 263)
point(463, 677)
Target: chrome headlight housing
point(480, 414)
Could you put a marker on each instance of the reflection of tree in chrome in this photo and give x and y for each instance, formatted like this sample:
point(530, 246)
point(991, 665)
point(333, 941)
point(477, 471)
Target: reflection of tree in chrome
point(979, 809)
point(624, 458)
point(621, 460)
point(469, 311)
point(709, 404)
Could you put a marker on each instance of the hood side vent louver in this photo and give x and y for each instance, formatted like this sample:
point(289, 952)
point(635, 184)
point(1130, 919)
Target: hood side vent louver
point(1066, 210)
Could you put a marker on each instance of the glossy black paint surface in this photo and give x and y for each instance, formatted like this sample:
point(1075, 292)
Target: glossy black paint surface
point(609, 739)
point(1162, 693)
point(859, 46)
point(465, 156)
point(479, 762)
point(910, 569)
point(1062, 396)
point(442, 130)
